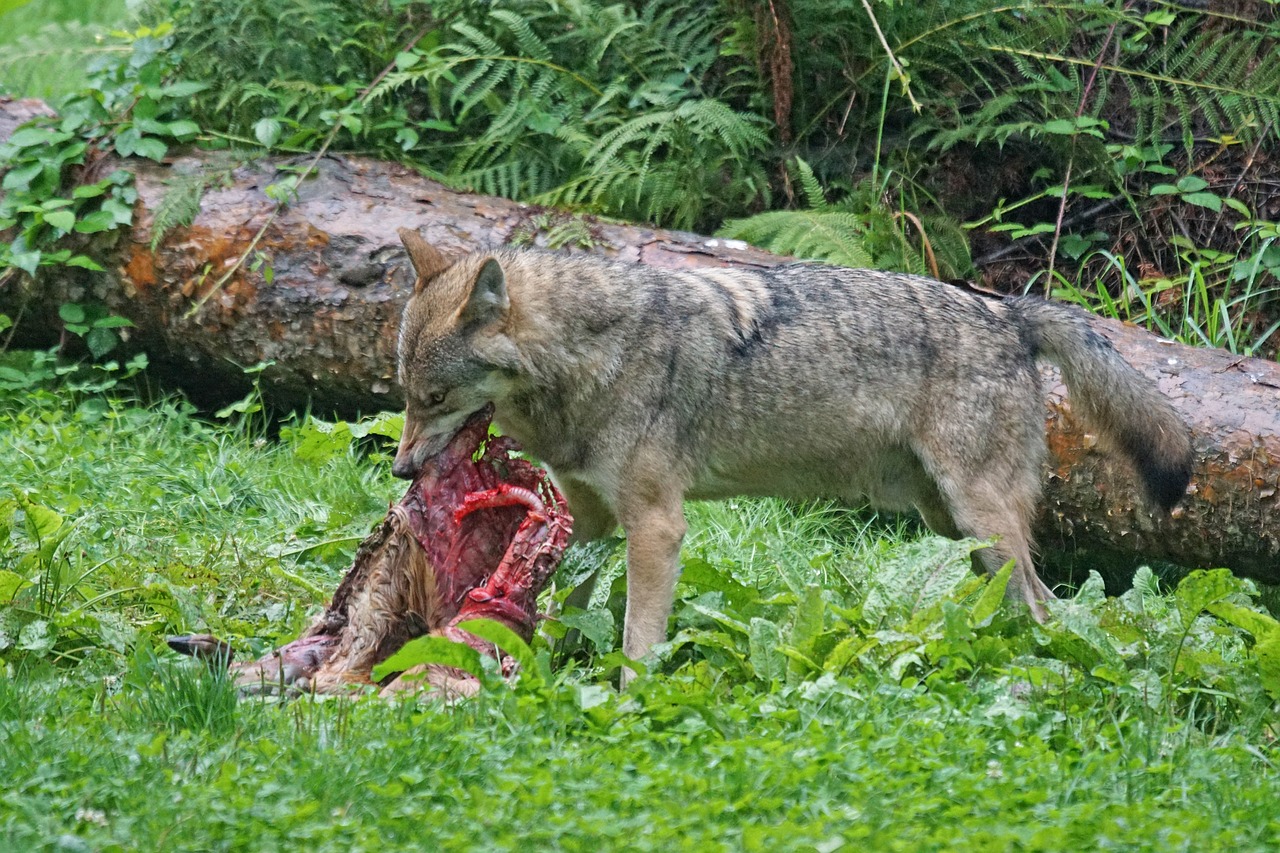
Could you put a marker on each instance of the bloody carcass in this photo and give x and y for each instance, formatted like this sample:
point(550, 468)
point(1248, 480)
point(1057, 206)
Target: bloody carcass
point(477, 535)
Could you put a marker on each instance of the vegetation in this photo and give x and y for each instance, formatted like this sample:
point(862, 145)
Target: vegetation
point(835, 680)
point(1114, 154)
point(47, 45)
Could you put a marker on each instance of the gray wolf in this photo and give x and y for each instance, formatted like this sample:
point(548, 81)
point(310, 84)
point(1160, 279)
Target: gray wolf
point(640, 388)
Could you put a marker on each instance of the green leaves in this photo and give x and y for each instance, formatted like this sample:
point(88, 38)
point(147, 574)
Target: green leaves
point(1266, 634)
point(10, 583)
point(534, 671)
point(39, 156)
point(267, 131)
point(779, 692)
point(991, 597)
point(607, 108)
point(94, 324)
point(428, 650)
point(1074, 126)
point(597, 626)
point(1194, 189)
point(857, 232)
point(1200, 589)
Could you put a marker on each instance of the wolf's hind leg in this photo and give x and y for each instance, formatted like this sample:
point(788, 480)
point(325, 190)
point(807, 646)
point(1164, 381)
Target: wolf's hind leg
point(997, 508)
point(933, 509)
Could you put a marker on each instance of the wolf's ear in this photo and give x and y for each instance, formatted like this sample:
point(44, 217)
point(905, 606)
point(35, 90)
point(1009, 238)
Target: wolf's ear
point(427, 262)
point(488, 301)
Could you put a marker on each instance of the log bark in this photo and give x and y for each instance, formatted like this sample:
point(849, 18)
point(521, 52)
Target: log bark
point(324, 304)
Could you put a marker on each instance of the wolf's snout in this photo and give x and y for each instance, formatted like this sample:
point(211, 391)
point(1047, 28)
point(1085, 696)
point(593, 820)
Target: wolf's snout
point(407, 461)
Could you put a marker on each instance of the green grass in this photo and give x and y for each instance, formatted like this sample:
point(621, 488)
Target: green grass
point(1216, 299)
point(854, 765)
point(888, 708)
point(45, 45)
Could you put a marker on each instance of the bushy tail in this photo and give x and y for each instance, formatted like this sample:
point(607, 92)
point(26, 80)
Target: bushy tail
point(1123, 406)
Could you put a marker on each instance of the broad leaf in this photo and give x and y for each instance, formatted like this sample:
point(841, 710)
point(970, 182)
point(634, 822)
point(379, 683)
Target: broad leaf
point(1202, 588)
point(507, 640)
point(437, 650)
point(596, 625)
point(992, 595)
point(766, 657)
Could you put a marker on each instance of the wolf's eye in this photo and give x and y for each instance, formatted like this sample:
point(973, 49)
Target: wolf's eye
point(437, 398)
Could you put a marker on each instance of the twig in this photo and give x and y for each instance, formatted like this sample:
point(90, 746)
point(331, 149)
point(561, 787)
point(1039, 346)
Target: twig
point(1057, 223)
point(847, 109)
point(302, 176)
point(1066, 180)
point(902, 72)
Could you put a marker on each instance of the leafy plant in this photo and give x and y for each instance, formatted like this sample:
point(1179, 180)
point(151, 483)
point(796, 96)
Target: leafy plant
point(49, 607)
point(37, 158)
point(1218, 300)
point(856, 232)
point(50, 190)
point(95, 324)
point(293, 82)
point(601, 107)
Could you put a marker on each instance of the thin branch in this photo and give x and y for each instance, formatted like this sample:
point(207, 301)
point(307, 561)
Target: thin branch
point(302, 176)
point(897, 66)
point(1066, 180)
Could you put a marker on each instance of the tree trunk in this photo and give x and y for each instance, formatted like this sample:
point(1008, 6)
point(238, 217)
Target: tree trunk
point(321, 292)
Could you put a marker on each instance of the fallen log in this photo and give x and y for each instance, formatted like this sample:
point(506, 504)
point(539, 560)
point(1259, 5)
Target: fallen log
point(322, 293)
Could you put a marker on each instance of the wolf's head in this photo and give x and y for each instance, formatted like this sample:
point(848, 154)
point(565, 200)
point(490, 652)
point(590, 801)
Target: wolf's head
point(454, 353)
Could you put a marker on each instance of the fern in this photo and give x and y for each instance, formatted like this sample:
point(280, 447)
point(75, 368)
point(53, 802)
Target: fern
point(1017, 71)
point(857, 232)
point(835, 236)
point(181, 202)
point(810, 187)
point(607, 108)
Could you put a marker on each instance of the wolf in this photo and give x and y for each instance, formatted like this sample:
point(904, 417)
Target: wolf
point(641, 388)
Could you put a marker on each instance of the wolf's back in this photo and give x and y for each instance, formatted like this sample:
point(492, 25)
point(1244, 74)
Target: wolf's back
point(1128, 411)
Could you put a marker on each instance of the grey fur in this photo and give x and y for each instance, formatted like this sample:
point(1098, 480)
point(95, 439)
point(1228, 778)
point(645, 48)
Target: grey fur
point(641, 387)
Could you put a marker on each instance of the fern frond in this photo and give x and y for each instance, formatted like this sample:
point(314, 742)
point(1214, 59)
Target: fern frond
point(834, 236)
point(1017, 69)
point(528, 41)
point(181, 202)
point(812, 191)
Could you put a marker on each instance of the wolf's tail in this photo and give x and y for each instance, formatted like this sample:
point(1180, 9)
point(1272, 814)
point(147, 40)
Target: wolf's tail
point(1128, 411)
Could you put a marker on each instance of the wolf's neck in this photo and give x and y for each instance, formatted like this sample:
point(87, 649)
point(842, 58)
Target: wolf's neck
point(554, 408)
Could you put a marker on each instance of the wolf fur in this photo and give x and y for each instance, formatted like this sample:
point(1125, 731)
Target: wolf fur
point(640, 388)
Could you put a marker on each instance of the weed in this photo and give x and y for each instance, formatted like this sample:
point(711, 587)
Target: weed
point(824, 664)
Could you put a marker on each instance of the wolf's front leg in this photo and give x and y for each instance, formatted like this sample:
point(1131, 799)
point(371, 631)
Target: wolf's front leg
point(654, 522)
point(592, 520)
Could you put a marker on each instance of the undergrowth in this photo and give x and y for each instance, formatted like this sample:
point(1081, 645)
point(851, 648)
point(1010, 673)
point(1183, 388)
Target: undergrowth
point(46, 43)
point(832, 680)
point(1061, 136)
